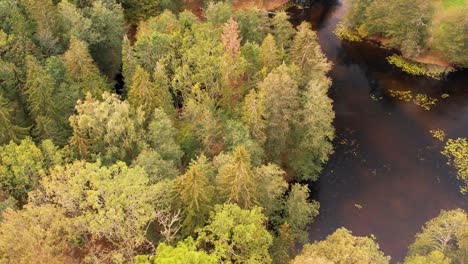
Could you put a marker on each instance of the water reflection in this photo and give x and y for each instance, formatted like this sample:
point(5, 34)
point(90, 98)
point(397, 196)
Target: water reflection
point(385, 159)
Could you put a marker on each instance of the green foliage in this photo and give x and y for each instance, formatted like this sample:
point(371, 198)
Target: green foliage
point(110, 128)
point(40, 94)
point(9, 131)
point(227, 88)
point(299, 211)
point(315, 131)
point(199, 113)
point(339, 244)
point(283, 245)
point(450, 37)
point(41, 234)
point(446, 235)
point(269, 54)
point(307, 54)
point(142, 92)
point(422, 27)
point(107, 22)
point(456, 150)
point(435, 257)
point(81, 70)
point(112, 204)
point(195, 193)
point(219, 13)
point(185, 252)
point(235, 180)
point(254, 24)
point(271, 187)
point(280, 97)
point(20, 168)
point(237, 235)
point(283, 30)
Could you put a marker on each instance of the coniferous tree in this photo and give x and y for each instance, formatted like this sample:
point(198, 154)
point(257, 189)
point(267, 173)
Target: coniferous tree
point(283, 30)
point(253, 112)
point(9, 131)
point(307, 54)
point(280, 97)
point(142, 93)
point(81, 70)
point(299, 211)
point(161, 84)
point(108, 24)
point(195, 193)
point(40, 94)
point(236, 180)
point(315, 131)
point(269, 54)
point(48, 27)
point(199, 114)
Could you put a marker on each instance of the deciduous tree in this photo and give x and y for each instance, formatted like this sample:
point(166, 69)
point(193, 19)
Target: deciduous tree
point(237, 235)
point(339, 244)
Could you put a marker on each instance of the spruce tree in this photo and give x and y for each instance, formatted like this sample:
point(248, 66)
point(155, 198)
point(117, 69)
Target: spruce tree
point(236, 180)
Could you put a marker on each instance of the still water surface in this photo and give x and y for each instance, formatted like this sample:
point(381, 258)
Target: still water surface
point(385, 159)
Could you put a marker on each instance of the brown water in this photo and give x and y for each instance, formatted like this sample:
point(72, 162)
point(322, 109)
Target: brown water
point(385, 158)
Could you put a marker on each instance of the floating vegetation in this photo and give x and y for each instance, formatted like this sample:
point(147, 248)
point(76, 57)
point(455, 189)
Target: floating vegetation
point(416, 68)
point(421, 100)
point(358, 206)
point(438, 134)
point(406, 96)
point(443, 96)
point(425, 101)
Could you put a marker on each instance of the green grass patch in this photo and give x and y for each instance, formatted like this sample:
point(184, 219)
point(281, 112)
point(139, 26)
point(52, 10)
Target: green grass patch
point(451, 3)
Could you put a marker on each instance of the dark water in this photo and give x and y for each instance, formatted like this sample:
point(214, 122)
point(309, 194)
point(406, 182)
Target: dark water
point(385, 158)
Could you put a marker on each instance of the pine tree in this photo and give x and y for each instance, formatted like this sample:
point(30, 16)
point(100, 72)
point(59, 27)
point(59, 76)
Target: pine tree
point(307, 54)
point(236, 180)
point(195, 193)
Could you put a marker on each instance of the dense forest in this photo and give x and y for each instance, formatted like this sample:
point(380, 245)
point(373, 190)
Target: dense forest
point(136, 132)
point(429, 33)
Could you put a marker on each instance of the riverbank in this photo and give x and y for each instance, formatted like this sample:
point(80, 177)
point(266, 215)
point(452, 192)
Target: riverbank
point(426, 64)
point(427, 37)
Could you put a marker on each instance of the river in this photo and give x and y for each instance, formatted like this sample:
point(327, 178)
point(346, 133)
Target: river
point(387, 176)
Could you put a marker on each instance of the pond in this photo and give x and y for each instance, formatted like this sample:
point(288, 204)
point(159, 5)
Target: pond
point(387, 176)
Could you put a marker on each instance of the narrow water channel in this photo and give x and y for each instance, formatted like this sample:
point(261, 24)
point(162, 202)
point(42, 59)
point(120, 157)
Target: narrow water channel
point(387, 176)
